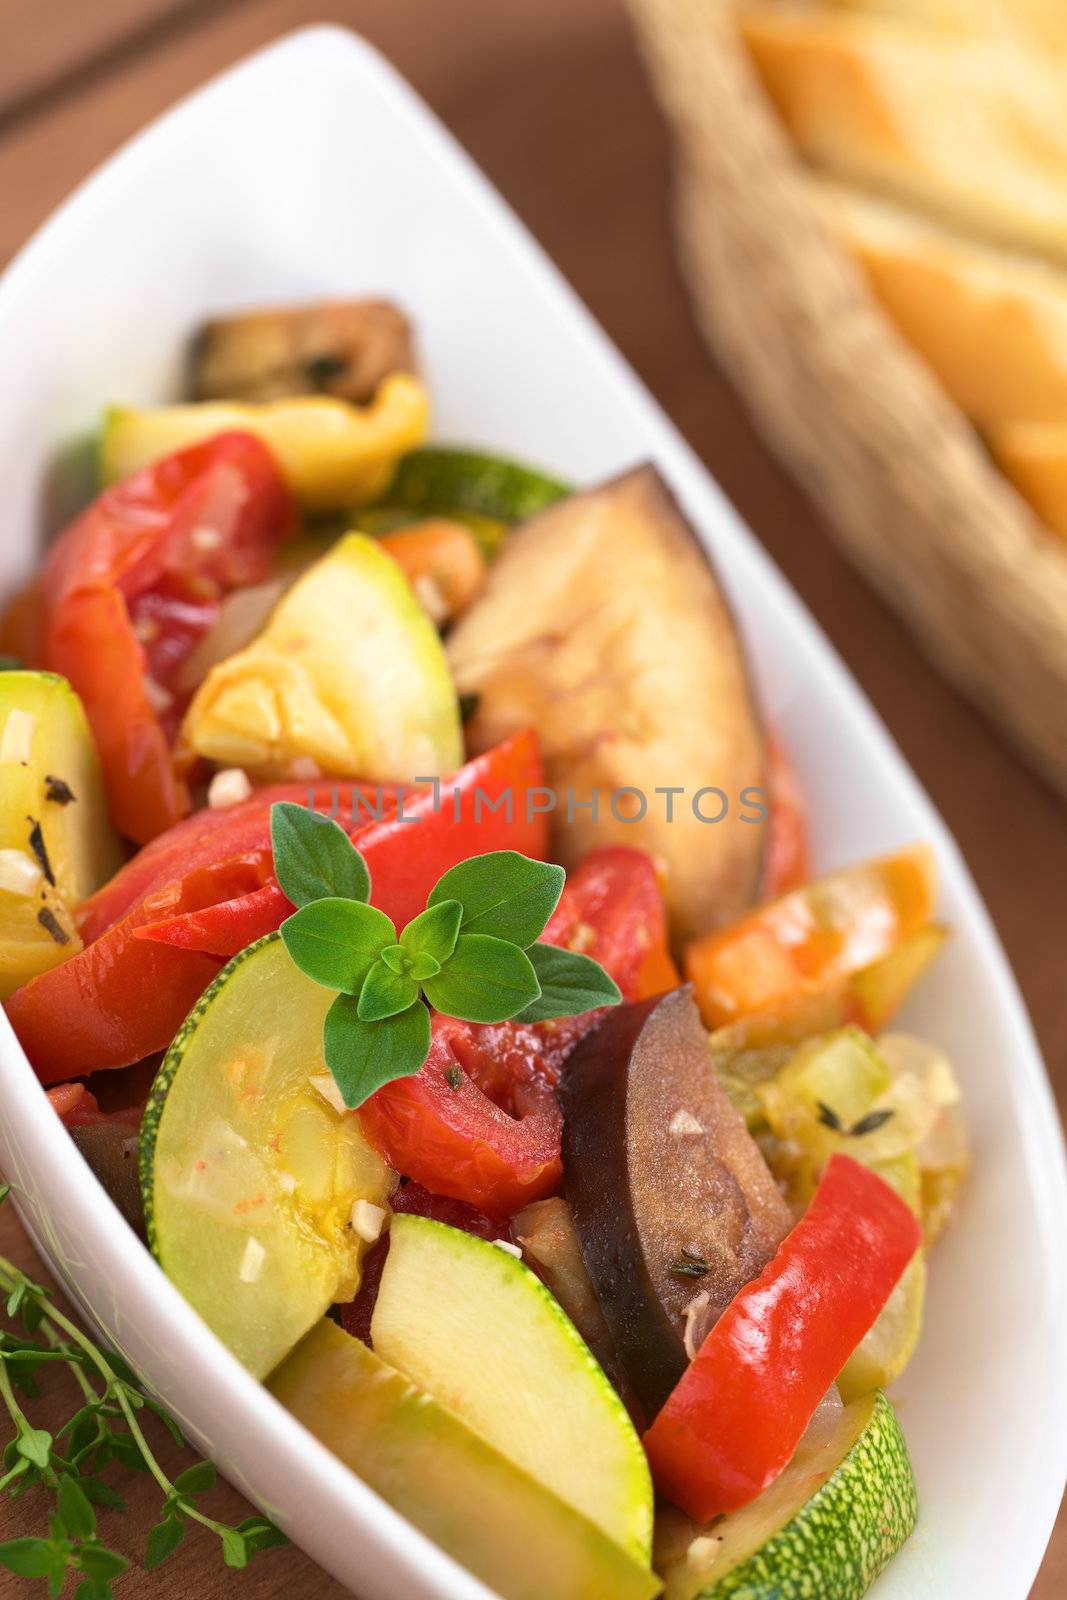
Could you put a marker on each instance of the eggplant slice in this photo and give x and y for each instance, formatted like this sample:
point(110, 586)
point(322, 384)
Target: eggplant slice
point(674, 1205)
point(604, 627)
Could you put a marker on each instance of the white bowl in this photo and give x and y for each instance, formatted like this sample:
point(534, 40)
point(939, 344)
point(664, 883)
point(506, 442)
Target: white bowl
point(312, 169)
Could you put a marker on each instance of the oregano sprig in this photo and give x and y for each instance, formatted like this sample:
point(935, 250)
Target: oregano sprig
point(474, 953)
point(105, 1428)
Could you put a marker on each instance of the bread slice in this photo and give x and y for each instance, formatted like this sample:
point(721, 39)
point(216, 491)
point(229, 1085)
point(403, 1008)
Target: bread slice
point(1033, 456)
point(991, 324)
point(973, 129)
point(1041, 22)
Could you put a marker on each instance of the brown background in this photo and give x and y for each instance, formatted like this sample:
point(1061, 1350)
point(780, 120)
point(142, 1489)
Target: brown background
point(549, 97)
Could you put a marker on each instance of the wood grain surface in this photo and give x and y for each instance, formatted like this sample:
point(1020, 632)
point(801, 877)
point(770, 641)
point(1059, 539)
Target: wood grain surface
point(549, 97)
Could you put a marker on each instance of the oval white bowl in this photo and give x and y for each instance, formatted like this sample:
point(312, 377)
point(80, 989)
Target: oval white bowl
point(312, 169)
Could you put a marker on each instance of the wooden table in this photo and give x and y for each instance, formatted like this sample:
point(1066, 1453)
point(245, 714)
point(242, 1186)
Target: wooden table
point(550, 98)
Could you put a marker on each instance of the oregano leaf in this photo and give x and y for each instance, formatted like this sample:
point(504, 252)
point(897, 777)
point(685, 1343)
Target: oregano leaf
point(27, 1558)
point(197, 1479)
point(100, 1563)
point(314, 859)
point(163, 1540)
point(75, 1512)
point(336, 942)
point(486, 980)
point(35, 1444)
point(384, 993)
point(234, 1548)
point(433, 932)
point(504, 894)
point(364, 1055)
point(571, 984)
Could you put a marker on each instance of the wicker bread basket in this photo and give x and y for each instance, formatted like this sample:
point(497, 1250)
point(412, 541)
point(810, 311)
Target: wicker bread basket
point(899, 474)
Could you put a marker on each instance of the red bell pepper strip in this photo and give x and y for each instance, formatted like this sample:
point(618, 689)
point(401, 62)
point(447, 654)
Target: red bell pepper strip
point(131, 587)
point(480, 1121)
point(737, 1415)
point(240, 832)
point(124, 997)
point(446, 827)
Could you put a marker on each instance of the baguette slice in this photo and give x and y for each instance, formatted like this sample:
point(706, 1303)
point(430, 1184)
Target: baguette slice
point(1033, 456)
point(991, 324)
point(1042, 22)
point(971, 129)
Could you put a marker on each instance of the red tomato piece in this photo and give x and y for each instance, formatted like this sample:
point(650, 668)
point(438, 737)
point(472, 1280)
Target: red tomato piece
point(441, 1129)
point(737, 1415)
point(132, 586)
point(480, 1121)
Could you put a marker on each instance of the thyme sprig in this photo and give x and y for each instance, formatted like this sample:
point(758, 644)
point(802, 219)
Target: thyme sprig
point(105, 1428)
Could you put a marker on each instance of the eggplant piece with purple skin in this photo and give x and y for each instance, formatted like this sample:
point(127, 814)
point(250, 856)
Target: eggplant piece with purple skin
point(674, 1205)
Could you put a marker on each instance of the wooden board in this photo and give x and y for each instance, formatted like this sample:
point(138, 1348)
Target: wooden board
point(550, 98)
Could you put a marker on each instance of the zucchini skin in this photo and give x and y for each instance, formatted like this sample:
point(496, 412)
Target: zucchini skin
point(157, 1096)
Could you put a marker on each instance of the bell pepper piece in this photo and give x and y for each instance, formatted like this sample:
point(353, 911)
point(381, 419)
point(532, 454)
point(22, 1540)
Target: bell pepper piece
point(421, 827)
point(124, 997)
point(738, 1413)
point(810, 940)
point(788, 863)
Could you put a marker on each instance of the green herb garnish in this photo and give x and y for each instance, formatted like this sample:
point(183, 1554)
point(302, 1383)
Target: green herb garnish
point(472, 954)
point(829, 1117)
point(691, 1264)
point(105, 1428)
point(870, 1123)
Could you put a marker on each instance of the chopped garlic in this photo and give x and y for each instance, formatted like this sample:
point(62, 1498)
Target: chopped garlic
point(286, 1182)
point(368, 1221)
point(512, 1249)
point(228, 788)
point(158, 698)
point(17, 740)
point(683, 1124)
point(304, 770)
point(696, 1323)
point(428, 593)
point(252, 1261)
point(329, 1092)
point(19, 873)
point(205, 537)
point(703, 1550)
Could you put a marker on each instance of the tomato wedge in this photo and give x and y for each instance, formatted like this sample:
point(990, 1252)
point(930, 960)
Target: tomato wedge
point(480, 1121)
point(209, 887)
point(810, 940)
point(738, 1413)
point(441, 1129)
point(133, 584)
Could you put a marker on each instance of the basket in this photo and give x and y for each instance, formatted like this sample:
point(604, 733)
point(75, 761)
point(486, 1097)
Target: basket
point(897, 471)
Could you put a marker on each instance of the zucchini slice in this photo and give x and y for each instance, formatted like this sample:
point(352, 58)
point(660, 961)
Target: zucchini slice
point(250, 1165)
point(792, 1543)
